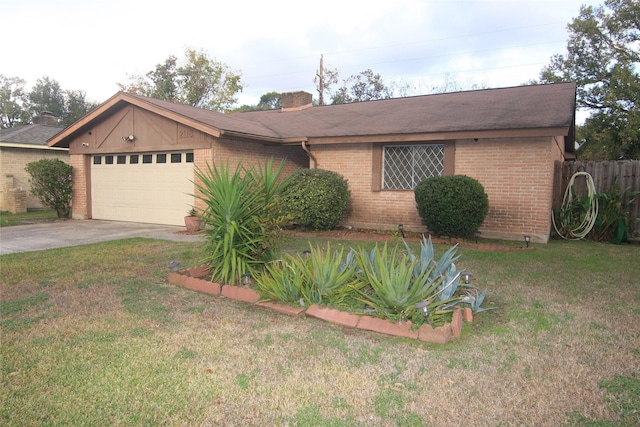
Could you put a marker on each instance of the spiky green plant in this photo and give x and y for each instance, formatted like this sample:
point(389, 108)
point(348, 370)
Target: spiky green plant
point(240, 217)
point(391, 275)
point(281, 281)
point(328, 277)
point(402, 281)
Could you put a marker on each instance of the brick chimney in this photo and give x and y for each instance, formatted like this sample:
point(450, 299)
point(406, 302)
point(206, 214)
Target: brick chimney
point(294, 101)
point(46, 118)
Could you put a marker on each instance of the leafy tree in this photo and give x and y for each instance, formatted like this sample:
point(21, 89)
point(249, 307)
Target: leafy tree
point(17, 107)
point(270, 101)
point(13, 102)
point(47, 95)
point(76, 106)
point(365, 86)
point(51, 183)
point(200, 81)
point(603, 58)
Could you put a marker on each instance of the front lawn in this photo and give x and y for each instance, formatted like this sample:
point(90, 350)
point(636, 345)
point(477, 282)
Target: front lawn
point(95, 335)
point(32, 215)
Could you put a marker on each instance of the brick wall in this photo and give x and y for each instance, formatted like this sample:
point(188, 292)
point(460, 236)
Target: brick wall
point(368, 209)
point(517, 175)
point(249, 154)
point(81, 187)
point(234, 152)
point(12, 166)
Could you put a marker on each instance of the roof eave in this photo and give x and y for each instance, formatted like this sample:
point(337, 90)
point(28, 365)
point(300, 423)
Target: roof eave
point(31, 146)
point(440, 136)
point(262, 139)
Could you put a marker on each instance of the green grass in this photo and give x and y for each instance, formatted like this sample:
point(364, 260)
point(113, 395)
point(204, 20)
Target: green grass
point(7, 218)
point(95, 335)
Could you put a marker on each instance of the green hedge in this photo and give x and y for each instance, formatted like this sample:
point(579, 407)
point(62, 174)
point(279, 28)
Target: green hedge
point(316, 198)
point(454, 205)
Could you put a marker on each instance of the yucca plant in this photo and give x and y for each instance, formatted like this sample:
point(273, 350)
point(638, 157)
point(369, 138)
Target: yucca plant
point(240, 217)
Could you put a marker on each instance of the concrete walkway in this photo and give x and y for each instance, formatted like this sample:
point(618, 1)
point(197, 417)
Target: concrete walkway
point(58, 234)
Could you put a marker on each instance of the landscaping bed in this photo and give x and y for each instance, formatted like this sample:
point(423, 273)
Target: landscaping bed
point(194, 279)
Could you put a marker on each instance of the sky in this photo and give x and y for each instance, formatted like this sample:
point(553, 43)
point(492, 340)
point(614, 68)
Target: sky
point(92, 45)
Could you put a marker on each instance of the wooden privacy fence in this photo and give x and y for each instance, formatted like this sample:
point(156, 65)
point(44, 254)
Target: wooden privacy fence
point(626, 173)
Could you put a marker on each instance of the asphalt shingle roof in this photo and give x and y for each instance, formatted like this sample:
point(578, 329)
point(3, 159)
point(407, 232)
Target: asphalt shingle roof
point(29, 134)
point(550, 106)
point(522, 107)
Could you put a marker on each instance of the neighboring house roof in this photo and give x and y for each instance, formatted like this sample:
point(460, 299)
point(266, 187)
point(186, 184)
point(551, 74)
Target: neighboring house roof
point(550, 107)
point(28, 136)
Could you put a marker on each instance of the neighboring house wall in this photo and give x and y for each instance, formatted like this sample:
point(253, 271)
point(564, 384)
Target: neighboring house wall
point(516, 174)
point(14, 176)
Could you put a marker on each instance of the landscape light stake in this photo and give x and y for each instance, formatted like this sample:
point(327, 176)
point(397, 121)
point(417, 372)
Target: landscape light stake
point(527, 239)
point(423, 308)
point(246, 279)
point(466, 276)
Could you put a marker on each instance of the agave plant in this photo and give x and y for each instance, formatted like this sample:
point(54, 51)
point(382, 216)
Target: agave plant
point(475, 298)
point(328, 278)
point(281, 281)
point(397, 281)
point(427, 258)
point(239, 217)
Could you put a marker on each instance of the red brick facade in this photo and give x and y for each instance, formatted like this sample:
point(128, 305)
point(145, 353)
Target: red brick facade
point(509, 150)
point(81, 186)
point(517, 174)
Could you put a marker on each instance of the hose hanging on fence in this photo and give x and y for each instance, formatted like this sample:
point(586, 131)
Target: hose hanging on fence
point(567, 211)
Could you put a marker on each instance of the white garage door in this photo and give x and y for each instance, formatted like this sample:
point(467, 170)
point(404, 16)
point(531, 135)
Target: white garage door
point(152, 188)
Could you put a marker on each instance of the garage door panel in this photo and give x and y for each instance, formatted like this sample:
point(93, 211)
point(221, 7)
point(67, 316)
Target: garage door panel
point(156, 193)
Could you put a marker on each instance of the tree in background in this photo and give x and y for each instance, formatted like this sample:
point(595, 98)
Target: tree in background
point(365, 86)
point(200, 82)
point(51, 183)
point(603, 58)
point(18, 107)
point(268, 101)
point(76, 106)
point(47, 95)
point(13, 102)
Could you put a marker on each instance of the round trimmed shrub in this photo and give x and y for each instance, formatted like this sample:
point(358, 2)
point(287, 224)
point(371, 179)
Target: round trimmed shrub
point(453, 205)
point(316, 198)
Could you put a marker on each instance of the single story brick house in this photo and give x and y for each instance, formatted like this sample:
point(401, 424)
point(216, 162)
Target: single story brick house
point(134, 156)
point(18, 147)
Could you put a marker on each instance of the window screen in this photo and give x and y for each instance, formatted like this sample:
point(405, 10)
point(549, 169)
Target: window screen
point(404, 166)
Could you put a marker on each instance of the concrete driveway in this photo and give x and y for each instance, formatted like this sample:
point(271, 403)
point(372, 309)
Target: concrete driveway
point(58, 234)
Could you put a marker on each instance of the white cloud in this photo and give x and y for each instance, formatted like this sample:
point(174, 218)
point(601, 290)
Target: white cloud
point(277, 45)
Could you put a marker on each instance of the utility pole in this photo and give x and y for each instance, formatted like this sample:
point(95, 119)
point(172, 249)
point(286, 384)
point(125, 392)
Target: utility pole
point(320, 75)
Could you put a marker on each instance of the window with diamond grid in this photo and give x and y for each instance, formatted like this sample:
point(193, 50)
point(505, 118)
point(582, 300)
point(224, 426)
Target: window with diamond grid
point(404, 166)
